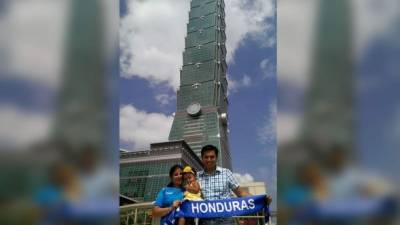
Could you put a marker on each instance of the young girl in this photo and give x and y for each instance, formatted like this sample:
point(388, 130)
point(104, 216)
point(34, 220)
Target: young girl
point(192, 192)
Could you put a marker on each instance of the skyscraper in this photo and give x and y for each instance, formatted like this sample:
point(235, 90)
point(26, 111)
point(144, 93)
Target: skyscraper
point(328, 116)
point(201, 116)
point(81, 117)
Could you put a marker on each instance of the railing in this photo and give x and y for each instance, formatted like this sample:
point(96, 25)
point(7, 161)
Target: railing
point(137, 214)
point(255, 219)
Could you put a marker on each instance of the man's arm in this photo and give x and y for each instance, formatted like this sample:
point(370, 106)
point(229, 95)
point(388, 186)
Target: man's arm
point(234, 185)
point(240, 192)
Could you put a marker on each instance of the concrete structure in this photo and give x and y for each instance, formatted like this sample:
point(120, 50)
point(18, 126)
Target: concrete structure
point(255, 188)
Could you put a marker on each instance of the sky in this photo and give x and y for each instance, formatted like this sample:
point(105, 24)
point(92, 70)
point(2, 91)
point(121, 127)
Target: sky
point(151, 45)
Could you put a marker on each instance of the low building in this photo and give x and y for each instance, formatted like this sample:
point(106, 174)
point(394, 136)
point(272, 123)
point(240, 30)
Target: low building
point(255, 188)
point(144, 173)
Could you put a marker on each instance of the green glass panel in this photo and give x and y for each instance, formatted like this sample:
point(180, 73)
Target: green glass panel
point(198, 73)
point(202, 10)
point(202, 22)
point(137, 180)
point(200, 54)
point(202, 94)
point(195, 3)
point(202, 37)
point(177, 129)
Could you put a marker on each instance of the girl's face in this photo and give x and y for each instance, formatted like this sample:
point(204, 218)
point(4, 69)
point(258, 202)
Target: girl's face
point(189, 177)
point(177, 177)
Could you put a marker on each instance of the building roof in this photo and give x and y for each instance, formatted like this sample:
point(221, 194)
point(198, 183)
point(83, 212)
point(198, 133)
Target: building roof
point(161, 151)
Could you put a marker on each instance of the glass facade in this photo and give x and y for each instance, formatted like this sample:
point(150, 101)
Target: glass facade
point(142, 181)
point(144, 173)
point(203, 81)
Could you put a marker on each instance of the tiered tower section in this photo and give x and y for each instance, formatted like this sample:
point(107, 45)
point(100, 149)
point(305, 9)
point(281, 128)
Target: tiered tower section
point(201, 116)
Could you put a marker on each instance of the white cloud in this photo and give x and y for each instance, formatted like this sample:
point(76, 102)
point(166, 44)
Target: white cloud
point(247, 19)
point(33, 43)
point(243, 178)
point(152, 35)
point(267, 133)
point(374, 19)
point(295, 28)
point(164, 99)
point(267, 68)
point(246, 81)
point(20, 128)
point(152, 40)
point(231, 84)
point(235, 85)
point(140, 128)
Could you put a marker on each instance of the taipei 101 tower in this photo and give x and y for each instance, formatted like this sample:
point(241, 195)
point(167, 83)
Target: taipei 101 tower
point(201, 117)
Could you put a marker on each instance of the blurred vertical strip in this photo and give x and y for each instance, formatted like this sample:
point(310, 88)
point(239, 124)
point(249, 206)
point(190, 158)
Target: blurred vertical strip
point(59, 112)
point(338, 111)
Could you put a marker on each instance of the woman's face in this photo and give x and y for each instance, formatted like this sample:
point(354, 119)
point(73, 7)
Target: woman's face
point(177, 177)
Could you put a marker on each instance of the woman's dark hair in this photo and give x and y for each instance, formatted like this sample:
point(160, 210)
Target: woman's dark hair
point(171, 173)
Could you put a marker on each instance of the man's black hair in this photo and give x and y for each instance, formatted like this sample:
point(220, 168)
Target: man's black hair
point(209, 148)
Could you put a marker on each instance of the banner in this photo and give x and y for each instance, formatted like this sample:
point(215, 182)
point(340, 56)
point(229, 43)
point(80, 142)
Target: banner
point(220, 208)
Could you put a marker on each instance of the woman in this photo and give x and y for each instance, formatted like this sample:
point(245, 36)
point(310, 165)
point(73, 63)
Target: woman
point(170, 197)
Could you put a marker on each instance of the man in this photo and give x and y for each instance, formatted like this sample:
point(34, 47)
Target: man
point(217, 183)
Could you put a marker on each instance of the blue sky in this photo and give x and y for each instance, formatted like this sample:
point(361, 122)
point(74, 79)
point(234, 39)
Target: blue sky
point(252, 83)
point(377, 105)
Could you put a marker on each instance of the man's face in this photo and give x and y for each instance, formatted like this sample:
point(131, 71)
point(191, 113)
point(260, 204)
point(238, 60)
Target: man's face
point(209, 159)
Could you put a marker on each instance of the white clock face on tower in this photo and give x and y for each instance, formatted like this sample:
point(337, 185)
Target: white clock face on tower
point(193, 109)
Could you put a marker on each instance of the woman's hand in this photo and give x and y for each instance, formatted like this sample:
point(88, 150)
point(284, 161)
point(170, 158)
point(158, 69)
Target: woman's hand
point(176, 204)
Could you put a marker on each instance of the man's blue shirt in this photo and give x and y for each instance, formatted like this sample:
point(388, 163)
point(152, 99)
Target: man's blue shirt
point(218, 184)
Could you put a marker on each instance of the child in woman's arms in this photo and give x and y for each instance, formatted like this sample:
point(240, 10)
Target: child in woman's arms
point(193, 192)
